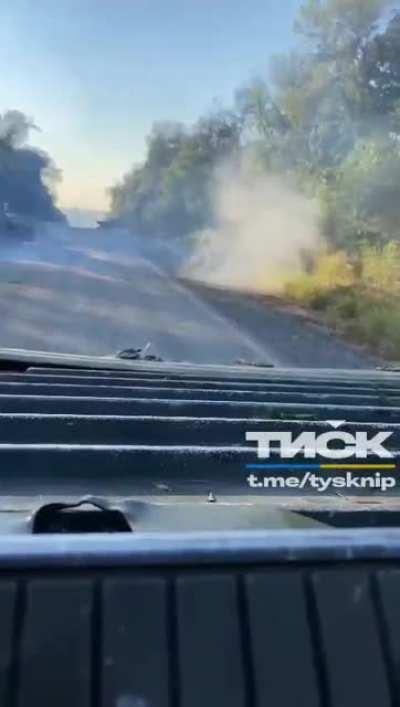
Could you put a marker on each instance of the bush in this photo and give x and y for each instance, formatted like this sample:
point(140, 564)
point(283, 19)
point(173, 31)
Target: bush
point(361, 301)
point(332, 272)
point(381, 267)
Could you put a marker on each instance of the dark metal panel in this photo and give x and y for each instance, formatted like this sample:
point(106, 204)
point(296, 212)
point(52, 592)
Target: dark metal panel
point(350, 646)
point(211, 667)
point(178, 393)
point(170, 381)
point(8, 644)
point(109, 366)
point(216, 636)
point(280, 641)
point(194, 408)
point(120, 471)
point(388, 608)
point(158, 430)
point(135, 659)
point(129, 470)
point(55, 661)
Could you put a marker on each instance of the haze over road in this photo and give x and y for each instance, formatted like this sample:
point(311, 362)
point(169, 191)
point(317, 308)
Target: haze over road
point(90, 292)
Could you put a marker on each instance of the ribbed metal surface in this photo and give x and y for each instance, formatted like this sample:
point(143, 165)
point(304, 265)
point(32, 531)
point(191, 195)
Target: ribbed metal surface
point(123, 432)
point(255, 635)
point(173, 634)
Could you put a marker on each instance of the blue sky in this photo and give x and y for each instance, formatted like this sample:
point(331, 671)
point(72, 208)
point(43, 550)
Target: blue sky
point(95, 74)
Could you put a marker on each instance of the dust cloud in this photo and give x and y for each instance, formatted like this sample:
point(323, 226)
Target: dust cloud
point(266, 231)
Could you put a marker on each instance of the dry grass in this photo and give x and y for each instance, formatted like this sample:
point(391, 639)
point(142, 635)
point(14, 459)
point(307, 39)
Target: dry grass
point(359, 297)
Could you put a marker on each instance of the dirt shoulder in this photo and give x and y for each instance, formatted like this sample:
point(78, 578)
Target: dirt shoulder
point(297, 336)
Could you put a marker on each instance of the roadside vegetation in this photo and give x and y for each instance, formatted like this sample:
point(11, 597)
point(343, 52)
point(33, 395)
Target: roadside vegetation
point(27, 175)
point(358, 296)
point(327, 119)
point(324, 122)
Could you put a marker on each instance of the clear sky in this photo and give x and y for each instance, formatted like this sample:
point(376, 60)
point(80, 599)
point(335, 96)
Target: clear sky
point(95, 74)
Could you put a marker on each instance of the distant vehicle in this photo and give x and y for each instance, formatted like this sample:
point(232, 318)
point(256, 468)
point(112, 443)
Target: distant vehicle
point(14, 225)
point(109, 223)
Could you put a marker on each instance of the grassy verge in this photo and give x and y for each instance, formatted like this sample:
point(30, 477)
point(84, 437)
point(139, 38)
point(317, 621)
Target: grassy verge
point(359, 297)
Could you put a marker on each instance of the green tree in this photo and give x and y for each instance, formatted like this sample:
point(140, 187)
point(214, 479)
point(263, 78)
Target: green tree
point(27, 175)
point(168, 195)
point(329, 117)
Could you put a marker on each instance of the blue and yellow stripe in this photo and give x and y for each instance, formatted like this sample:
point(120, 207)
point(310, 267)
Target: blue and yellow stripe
point(321, 467)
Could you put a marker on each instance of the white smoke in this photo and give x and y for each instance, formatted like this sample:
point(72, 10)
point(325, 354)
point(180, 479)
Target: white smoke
point(265, 230)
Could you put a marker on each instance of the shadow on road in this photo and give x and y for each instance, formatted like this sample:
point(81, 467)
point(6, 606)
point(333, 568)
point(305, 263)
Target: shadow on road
point(79, 291)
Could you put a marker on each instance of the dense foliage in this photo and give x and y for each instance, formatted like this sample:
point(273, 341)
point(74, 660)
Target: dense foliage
point(329, 116)
point(26, 174)
point(169, 193)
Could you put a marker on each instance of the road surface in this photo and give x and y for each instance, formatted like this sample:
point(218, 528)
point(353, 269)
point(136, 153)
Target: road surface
point(87, 292)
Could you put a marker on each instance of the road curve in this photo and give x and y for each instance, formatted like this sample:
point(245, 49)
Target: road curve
point(80, 291)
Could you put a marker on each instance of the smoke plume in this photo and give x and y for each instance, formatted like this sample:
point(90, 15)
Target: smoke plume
point(265, 231)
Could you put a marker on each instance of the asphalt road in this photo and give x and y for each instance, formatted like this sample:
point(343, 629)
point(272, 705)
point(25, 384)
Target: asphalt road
point(82, 291)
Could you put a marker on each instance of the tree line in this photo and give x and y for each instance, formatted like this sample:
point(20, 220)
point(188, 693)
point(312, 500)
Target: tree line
point(27, 175)
point(327, 117)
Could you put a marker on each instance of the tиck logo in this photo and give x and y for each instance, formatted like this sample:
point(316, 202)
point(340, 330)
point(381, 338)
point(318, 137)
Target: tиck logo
point(335, 444)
